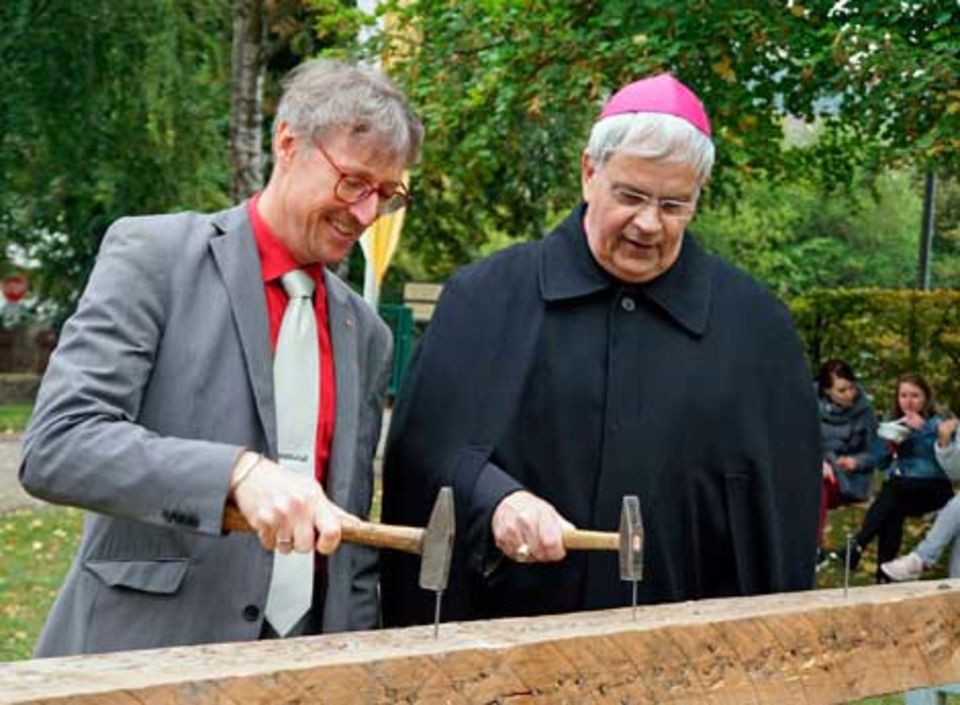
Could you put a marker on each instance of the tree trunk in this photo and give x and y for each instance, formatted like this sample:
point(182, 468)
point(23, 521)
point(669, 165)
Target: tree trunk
point(246, 98)
point(926, 231)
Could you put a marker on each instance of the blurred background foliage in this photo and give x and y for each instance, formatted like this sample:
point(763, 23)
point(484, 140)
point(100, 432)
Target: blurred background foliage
point(109, 107)
point(827, 115)
point(812, 104)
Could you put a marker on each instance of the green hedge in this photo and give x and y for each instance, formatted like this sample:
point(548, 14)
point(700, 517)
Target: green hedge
point(884, 333)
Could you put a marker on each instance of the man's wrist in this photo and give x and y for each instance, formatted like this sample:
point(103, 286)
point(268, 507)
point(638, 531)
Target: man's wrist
point(246, 464)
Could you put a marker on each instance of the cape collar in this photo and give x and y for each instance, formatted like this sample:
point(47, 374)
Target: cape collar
point(568, 271)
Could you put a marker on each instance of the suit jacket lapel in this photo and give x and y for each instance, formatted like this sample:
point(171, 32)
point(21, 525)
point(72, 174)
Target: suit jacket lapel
point(343, 336)
point(235, 253)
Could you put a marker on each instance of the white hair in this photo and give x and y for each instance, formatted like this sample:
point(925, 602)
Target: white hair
point(656, 136)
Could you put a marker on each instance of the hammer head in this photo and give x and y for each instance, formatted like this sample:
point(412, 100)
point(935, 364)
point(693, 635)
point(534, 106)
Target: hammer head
point(631, 539)
point(438, 543)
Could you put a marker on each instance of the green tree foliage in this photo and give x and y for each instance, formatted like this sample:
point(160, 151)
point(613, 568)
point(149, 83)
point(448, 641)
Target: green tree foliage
point(302, 29)
point(796, 236)
point(116, 107)
point(946, 241)
point(109, 108)
point(509, 88)
point(900, 77)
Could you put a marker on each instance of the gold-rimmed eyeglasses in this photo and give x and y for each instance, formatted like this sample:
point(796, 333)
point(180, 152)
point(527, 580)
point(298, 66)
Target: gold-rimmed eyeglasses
point(351, 188)
point(671, 209)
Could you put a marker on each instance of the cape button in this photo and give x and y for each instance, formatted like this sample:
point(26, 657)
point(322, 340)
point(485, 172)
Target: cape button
point(628, 304)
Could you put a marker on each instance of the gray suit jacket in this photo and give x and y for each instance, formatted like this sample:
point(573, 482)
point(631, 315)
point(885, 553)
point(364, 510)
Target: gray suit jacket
point(161, 378)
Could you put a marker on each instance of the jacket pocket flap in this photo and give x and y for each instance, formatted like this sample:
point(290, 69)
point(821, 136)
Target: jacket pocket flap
point(162, 577)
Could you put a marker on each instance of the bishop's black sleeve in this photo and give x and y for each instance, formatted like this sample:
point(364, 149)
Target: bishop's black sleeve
point(791, 512)
point(481, 485)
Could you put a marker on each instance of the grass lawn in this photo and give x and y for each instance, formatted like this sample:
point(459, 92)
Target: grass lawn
point(14, 417)
point(36, 547)
point(35, 550)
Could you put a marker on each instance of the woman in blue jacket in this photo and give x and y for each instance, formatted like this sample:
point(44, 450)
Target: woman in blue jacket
point(916, 484)
point(848, 433)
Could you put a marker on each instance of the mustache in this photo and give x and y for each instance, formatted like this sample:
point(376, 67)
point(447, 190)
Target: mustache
point(347, 223)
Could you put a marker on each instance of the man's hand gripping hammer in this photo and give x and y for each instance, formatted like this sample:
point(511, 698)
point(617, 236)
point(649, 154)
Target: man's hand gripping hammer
point(434, 544)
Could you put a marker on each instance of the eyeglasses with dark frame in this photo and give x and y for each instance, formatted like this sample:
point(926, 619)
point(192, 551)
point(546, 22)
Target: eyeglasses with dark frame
point(671, 209)
point(351, 188)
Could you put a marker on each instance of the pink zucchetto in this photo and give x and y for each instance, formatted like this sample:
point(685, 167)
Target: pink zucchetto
point(659, 94)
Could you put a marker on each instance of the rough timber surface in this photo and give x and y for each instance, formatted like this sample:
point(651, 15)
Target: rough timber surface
point(806, 648)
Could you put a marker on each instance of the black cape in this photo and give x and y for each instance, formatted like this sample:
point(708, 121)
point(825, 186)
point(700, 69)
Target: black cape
point(690, 391)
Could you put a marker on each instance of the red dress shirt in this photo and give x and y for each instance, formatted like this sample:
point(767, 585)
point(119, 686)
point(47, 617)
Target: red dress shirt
point(275, 261)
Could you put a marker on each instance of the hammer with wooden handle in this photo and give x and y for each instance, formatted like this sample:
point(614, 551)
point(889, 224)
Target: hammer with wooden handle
point(628, 542)
point(434, 544)
point(408, 539)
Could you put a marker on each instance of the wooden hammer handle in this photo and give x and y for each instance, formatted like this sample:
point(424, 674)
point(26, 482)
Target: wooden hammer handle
point(408, 539)
point(579, 540)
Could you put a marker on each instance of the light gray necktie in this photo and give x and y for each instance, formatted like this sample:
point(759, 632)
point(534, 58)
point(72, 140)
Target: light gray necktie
point(296, 383)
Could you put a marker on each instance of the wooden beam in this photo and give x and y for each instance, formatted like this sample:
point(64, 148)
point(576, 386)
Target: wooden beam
point(810, 648)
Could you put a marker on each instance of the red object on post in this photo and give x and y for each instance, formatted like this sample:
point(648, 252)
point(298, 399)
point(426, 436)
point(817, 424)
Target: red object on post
point(14, 287)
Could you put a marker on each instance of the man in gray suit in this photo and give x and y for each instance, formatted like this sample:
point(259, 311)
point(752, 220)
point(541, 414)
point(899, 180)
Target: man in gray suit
point(159, 408)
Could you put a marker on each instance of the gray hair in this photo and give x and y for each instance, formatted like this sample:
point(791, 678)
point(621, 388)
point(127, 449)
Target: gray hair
point(656, 136)
point(324, 95)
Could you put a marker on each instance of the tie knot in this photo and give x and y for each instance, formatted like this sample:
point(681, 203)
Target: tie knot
point(297, 284)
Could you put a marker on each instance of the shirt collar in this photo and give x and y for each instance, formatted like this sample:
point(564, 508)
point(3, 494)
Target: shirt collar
point(568, 270)
point(275, 258)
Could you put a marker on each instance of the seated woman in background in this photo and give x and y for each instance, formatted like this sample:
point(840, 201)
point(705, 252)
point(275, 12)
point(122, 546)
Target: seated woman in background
point(848, 433)
point(916, 484)
point(946, 529)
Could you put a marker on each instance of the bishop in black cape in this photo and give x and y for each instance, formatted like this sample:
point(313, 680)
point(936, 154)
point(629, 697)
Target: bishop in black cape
point(540, 371)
